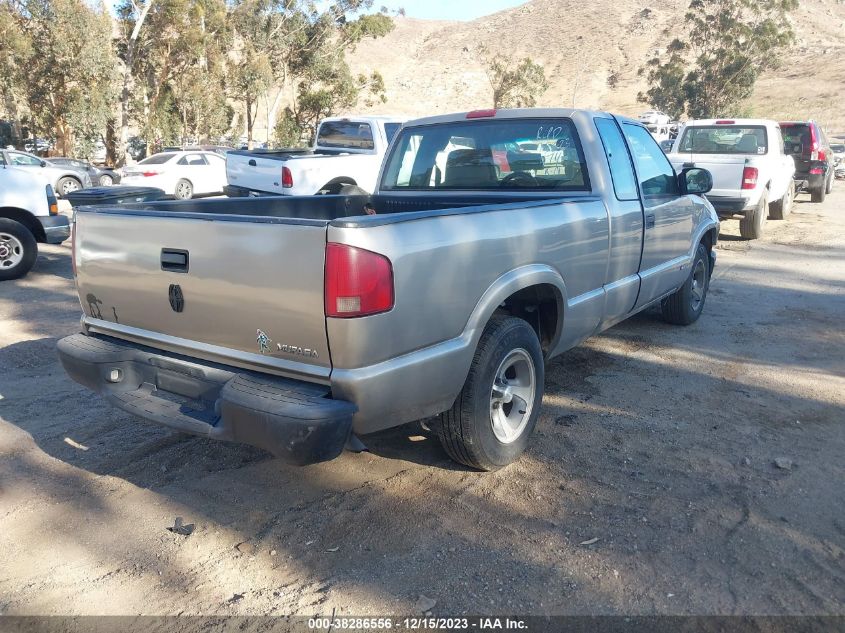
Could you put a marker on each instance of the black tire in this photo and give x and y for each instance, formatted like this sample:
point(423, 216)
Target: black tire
point(780, 209)
point(818, 195)
point(66, 185)
point(106, 180)
point(466, 430)
point(18, 250)
point(830, 183)
point(184, 190)
point(751, 226)
point(687, 303)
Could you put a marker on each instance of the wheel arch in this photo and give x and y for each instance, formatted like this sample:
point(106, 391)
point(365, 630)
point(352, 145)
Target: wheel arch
point(535, 293)
point(27, 219)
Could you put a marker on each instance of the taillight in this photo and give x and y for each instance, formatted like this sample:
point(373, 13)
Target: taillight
point(481, 114)
point(749, 177)
point(814, 142)
point(358, 282)
point(287, 178)
point(725, 122)
point(822, 155)
point(147, 174)
point(816, 171)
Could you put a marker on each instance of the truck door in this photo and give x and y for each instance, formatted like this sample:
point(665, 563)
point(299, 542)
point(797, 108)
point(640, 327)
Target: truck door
point(668, 217)
point(622, 285)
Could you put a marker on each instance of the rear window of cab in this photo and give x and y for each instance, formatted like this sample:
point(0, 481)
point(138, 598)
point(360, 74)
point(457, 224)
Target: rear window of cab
point(724, 139)
point(487, 155)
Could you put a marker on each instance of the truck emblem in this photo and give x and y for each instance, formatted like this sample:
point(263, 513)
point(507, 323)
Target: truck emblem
point(297, 351)
point(263, 341)
point(177, 299)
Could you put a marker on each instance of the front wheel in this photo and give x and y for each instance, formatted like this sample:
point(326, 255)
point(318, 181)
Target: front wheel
point(687, 303)
point(184, 190)
point(492, 418)
point(18, 250)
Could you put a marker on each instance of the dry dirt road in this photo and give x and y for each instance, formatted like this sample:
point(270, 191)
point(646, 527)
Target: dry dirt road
point(650, 487)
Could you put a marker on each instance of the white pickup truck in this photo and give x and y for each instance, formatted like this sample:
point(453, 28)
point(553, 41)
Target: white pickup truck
point(752, 176)
point(347, 151)
point(29, 214)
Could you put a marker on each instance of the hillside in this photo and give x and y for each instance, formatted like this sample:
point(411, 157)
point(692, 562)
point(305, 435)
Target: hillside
point(428, 67)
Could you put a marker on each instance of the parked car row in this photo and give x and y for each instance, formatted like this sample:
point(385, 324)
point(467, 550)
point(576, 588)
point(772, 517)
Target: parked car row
point(758, 166)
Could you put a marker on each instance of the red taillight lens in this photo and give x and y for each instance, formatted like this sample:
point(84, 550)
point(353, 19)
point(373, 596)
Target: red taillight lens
point(358, 282)
point(822, 155)
point(749, 177)
point(816, 171)
point(147, 174)
point(287, 178)
point(481, 114)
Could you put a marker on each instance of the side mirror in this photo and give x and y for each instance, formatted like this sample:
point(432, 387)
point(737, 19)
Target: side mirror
point(696, 181)
point(43, 163)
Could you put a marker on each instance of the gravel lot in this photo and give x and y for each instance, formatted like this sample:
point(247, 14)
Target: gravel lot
point(651, 486)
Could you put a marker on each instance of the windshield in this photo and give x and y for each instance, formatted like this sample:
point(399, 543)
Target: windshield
point(346, 135)
point(539, 154)
point(157, 159)
point(725, 139)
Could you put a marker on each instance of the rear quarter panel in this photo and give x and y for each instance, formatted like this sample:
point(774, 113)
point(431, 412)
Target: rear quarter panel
point(443, 265)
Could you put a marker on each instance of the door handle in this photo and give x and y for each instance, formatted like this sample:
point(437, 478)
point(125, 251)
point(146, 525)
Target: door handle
point(649, 221)
point(174, 260)
point(252, 162)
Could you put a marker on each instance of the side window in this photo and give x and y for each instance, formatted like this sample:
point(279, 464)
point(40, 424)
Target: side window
point(23, 159)
point(621, 171)
point(657, 178)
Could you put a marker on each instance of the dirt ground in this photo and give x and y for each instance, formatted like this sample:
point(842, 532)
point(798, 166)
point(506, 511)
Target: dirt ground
point(650, 487)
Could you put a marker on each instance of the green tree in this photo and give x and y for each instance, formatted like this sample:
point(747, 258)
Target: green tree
point(15, 49)
point(710, 71)
point(303, 47)
point(515, 84)
point(69, 88)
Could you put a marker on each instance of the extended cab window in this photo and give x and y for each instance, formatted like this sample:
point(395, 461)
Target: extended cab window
point(657, 178)
point(725, 139)
point(621, 171)
point(527, 154)
point(346, 135)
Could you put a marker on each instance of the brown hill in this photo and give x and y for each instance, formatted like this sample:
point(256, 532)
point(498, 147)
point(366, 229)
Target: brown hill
point(428, 67)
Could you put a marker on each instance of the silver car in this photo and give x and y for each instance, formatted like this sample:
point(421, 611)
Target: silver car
point(64, 178)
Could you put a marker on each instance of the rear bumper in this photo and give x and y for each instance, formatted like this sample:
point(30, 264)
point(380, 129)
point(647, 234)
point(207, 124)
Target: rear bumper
point(56, 228)
point(727, 206)
point(296, 421)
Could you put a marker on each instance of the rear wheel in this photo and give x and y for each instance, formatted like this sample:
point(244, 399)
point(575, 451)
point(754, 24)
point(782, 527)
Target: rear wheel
point(184, 190)
point(751, 226)
point(106, 180)
point(687, 303)
point(779, 209)
point(18, 249)
point(830, 183)
point(818, 195)
point(492, 418)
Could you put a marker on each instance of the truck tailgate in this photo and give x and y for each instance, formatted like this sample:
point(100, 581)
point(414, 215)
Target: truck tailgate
point(245, 291)
point(725, 169)
point(255, 172)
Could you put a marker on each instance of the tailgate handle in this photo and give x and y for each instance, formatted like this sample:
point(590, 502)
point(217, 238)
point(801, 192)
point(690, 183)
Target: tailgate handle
point(252, 162)
point(173, 260)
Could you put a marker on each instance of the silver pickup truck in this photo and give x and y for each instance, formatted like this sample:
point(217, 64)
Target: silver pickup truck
point(299, 324)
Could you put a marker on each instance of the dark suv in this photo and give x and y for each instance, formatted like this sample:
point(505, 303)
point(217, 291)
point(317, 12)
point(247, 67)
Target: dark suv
point(806, 142)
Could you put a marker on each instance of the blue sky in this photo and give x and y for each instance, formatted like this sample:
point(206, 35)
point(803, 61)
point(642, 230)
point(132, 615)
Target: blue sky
point(449, 9)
